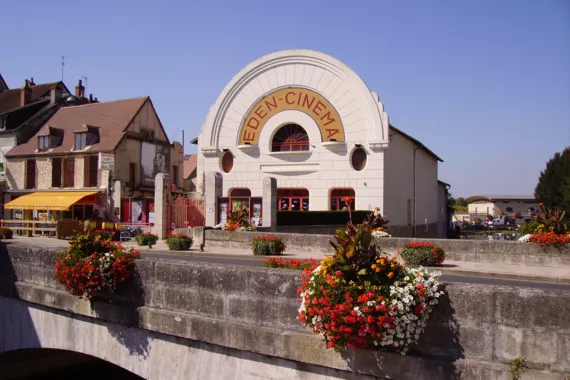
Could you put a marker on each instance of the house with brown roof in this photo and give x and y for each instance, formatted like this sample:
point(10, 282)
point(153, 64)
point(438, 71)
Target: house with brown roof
point(97, 158)
point(24, 110)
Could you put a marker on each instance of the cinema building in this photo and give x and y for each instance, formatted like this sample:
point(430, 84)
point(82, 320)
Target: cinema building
point(298, 130)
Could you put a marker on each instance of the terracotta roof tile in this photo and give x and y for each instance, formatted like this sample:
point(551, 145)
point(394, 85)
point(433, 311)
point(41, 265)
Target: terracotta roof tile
point(189, 164)
point(112, 118)
point(10, 99)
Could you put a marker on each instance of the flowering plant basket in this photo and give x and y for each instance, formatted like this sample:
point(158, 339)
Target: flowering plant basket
point(93, 264)
point(237, 221)
point(417, 253)
point(179, 242)
point(278, 262)
point(363, 298)
point(267, 245)
point(146, 239)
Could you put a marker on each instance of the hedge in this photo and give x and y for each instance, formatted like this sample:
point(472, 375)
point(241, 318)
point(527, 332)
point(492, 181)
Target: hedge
point(318, 218)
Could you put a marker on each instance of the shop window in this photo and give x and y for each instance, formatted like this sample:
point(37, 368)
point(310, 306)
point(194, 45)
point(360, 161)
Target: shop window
point(290, 138)
point(241, 200)
point(90, 169)
point(69, 175)
point(338, 201)
point(56, 172)
point(227, 162)
point(509, 209)
point(30, 174)
point(292, 199)
point(359, 159)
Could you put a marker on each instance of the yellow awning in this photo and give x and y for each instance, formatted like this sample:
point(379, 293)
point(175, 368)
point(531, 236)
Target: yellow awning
point(59, 201)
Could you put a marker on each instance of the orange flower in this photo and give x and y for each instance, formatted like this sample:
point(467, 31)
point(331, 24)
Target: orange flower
point(390, 275)
point(348, 200)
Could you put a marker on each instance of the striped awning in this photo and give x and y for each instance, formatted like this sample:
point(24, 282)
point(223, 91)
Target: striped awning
point(57, 201)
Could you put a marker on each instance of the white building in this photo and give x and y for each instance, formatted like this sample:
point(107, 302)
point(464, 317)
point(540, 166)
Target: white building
point(298, 130)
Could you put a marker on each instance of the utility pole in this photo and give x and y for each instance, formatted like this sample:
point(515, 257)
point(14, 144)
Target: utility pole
point(62, 65)
point(183, 141)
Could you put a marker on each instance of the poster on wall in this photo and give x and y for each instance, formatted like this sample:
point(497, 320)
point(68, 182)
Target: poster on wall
point(137, 211)
point(151, 212)
point(223, 212)
point(256, 215)
point(154, 160)
point(241, 205)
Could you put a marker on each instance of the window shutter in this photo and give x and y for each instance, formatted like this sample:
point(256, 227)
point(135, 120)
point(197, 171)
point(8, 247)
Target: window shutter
point(69, 177)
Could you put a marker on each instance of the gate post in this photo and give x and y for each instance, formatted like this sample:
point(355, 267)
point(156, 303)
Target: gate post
point(269, 217)
point(213, 191)
point(161, 206)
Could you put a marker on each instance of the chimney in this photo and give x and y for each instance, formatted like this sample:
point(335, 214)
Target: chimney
point(80, 90)
point(90, 98)
point(25, 94)
point(32, 82)
point(55, 94)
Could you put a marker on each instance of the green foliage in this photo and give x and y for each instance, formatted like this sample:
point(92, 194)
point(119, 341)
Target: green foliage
point(146, 239)
point(267, 246)
point(459, 208)
point(6, 233)
point(517, 366)
point(423, 254)
point(461, 202)
point(553, 188)
point(179, 242)
point(318, 218)
point(477, 198)
point(529, 228)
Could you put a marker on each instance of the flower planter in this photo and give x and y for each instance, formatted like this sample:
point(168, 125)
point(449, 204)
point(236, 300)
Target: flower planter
point(179, 242)
point(423, 254)
point(146, 239)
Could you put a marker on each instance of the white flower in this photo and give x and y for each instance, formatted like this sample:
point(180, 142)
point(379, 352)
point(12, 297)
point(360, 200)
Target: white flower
point(525, 238)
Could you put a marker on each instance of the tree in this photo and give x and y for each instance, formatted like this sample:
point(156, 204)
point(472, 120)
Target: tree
point(477, 198)
point(461, 202)
point(553, 188)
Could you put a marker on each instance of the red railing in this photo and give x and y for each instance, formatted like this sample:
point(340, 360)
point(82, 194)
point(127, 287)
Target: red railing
point(187, 212)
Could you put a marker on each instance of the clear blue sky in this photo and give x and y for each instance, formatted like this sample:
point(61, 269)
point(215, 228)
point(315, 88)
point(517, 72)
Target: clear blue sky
point(483, 83)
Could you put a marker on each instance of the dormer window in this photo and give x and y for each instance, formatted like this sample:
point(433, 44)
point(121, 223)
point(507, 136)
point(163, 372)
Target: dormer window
point(147, 134)
point(43, 143)
point(80, 140)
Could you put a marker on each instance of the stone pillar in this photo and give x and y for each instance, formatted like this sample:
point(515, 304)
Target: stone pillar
point(116, 201)
point(214, 184)
point(161, 198)
point(270, 203)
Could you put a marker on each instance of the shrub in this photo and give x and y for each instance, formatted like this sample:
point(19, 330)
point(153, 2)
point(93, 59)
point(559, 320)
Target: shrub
point(423, 254)
point(179, 242)
point(146, 239)
point(529, 228)
point(93, 264)
point(489, 217)
point(464, 223)
point(6, 233)
point(319, 218)
point(267, 245)
point(278, 262)
point(477, 220)
point(363, 298)
point(104, 235)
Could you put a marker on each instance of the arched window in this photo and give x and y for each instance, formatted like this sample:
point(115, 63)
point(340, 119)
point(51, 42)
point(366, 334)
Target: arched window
point(338, 201)
point(292, 200)
point(358, 159)
point(290, 138)
point(509, 209)
point(227, 162)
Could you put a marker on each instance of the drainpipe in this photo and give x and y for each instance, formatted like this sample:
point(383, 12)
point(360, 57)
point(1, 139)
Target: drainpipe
point(414, 195)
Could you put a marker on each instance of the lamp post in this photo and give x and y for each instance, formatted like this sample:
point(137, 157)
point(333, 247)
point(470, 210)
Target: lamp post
point(183, 141)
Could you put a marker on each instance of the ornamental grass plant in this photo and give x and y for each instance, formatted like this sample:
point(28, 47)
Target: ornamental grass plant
point(363, 298)
point(267, 245)
point(425, 254)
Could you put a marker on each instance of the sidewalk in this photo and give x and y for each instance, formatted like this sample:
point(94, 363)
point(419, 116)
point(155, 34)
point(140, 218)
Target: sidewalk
point(466, 268)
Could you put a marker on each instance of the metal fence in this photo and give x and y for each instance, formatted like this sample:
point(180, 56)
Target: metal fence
point(187, 212)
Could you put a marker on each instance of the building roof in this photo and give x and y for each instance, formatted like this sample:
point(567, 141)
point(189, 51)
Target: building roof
point(510, 198)
point(10, 99)
point(190, 163)
point(111, 118)
point(3, 85)
point(417, 142)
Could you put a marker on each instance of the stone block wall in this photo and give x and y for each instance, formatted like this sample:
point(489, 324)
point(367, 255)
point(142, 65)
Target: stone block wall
point(474, 332)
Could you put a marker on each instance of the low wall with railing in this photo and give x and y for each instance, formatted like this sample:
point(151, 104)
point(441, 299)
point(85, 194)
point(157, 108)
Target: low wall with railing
point(487, 251)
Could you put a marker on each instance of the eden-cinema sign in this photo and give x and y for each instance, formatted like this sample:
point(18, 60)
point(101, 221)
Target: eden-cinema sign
point(292, 98)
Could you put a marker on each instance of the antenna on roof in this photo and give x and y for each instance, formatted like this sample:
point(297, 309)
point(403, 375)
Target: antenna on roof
point(62, 65)
point(85, 81)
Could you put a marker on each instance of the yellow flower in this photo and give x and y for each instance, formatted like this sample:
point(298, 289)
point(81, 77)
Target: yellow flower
point(393, 266)
point(390, 275)
point(373, 266)
point(378, 270)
